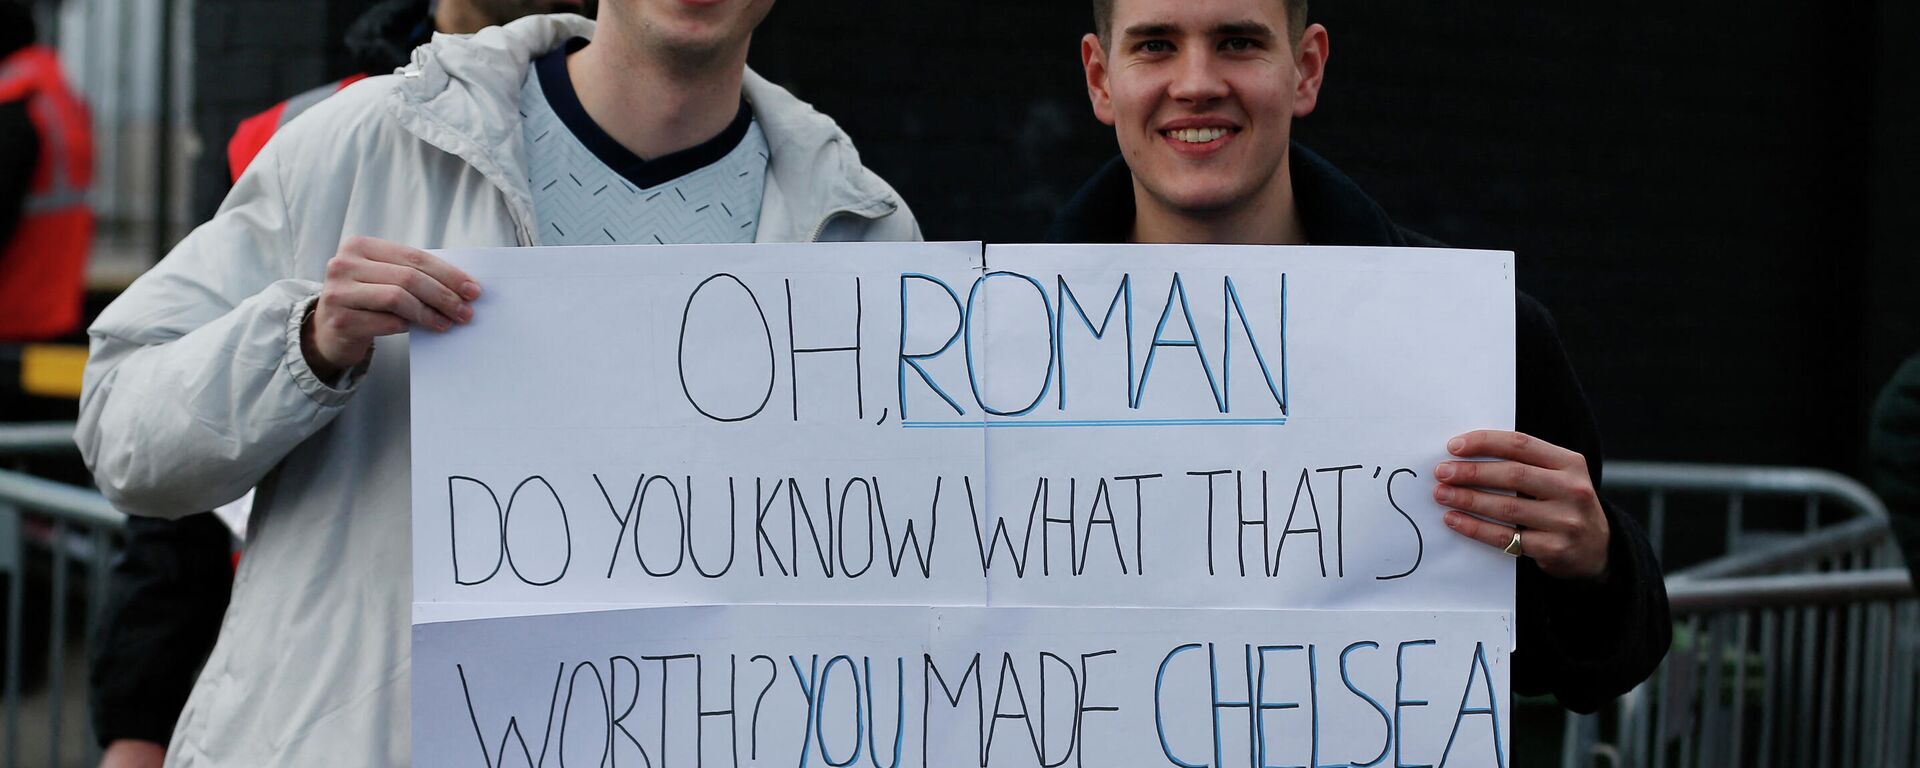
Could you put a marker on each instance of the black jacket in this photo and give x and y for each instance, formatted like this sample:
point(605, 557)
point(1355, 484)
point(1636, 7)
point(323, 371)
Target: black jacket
point(1585, 644)
point(19, 153)
point(165, 598)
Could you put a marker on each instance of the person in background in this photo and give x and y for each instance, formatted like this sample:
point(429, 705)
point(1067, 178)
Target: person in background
point(1202, 95)
point(380, 41)
point(1893, 458)
point(247, 357)
point(46, 166)
point(169, 587)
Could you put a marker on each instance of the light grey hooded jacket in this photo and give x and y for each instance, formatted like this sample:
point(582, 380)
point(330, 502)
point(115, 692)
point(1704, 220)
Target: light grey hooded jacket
point(196, 390)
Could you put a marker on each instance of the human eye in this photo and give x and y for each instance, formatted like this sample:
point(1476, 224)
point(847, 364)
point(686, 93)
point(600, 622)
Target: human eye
point(1240, 44)
point(1154, 46)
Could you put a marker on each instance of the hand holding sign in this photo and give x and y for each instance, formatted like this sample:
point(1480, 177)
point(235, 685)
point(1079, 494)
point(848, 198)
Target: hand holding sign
point(1558, 511)
point(377, 288)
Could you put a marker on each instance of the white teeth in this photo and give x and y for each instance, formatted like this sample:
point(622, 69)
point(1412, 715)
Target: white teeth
point(1196, 135)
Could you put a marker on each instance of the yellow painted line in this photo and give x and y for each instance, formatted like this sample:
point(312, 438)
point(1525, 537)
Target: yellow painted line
point(52, 370)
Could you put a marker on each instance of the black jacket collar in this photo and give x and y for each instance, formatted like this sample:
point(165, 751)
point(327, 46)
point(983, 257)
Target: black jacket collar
point(1333, 209)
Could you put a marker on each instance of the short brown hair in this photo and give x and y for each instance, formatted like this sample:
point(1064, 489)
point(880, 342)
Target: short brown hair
point(1296, 18)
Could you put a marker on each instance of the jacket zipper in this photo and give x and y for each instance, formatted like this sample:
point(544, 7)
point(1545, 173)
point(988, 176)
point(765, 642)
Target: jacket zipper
point(821, 229)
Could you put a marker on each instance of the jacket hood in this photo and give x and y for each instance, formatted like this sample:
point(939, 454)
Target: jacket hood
point(1333, 209)
point(461, 93)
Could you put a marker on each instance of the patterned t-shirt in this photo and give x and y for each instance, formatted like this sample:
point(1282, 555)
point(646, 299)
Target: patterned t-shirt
point(590, 190)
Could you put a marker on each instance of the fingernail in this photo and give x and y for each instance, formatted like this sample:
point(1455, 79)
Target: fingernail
point(466, 313)
point(1453, 520)
point(1456, 445)
point(471, 290)
point(1443, 494)
point(1443, 471)
point(441, 325)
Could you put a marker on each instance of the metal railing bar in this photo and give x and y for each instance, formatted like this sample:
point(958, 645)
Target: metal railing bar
point(1577, 751)
point(37, 438)
point(100, 569)
point(1777, 746)
point(1657, 520)
point(1736, 519)
point(1696, 627)
point(16, 595)
point(1707, 721)
point(1909, 688)
point(1881, 647)
point(1850, 695)
point(57, 645)
point(73, 503)
point(1830, 616)
point(1845, 537)
point(1768, 628)
point(1662, 704)
point(1633, 725)
point(1697, 596)
point(1744, 623)
point(1645, 476)
point(1805, 690)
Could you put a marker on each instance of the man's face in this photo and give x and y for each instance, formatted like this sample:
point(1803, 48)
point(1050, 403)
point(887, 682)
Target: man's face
point(1202, 95)
point(694, 31)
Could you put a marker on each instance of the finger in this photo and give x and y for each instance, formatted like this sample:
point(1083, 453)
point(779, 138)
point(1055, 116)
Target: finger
point(1525, 513)
point(1526, 449)
point(392, 300)
point(1491, 534)
point(361, 324)
point(446, 274)
point(1503, 475)
point(428, 290)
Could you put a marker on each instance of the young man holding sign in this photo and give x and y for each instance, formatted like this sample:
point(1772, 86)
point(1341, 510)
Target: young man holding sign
point(1202, 95)
point(247, 357)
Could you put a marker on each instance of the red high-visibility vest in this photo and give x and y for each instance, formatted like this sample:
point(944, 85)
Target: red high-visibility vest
point(252, 134)
point(43, 268)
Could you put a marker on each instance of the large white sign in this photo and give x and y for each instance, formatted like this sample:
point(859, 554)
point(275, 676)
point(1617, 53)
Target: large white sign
point(878, 426)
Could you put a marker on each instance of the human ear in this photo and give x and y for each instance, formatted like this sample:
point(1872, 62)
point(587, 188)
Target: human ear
point(1093, 58)
point(1310, 66)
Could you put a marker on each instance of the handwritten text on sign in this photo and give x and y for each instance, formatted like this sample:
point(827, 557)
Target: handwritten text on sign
point(896, 687)
point(912, 424)
point(955, 506)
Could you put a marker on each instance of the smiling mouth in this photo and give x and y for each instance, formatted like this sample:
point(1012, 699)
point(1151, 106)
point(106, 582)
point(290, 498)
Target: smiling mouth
point(1197, 135)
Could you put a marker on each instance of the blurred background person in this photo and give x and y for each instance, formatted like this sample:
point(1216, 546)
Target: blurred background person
point(1893, 457)
point(46, 165)
point(381, 41)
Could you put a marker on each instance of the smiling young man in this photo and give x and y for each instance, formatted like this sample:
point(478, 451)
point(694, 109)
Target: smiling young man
point(1202, 95)
point(247, 357)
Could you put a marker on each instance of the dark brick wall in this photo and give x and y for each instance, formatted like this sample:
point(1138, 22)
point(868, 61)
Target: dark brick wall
point(976, 110)
point(250, 54)
point(1696, 189)
point(1713, 198)
point(1893, 318)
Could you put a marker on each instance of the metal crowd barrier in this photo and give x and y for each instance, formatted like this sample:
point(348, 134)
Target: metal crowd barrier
point(1798, 648)
point(1795, 644)
point(48, 532)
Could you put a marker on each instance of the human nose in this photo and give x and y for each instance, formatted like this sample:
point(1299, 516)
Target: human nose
point(1197, 80)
